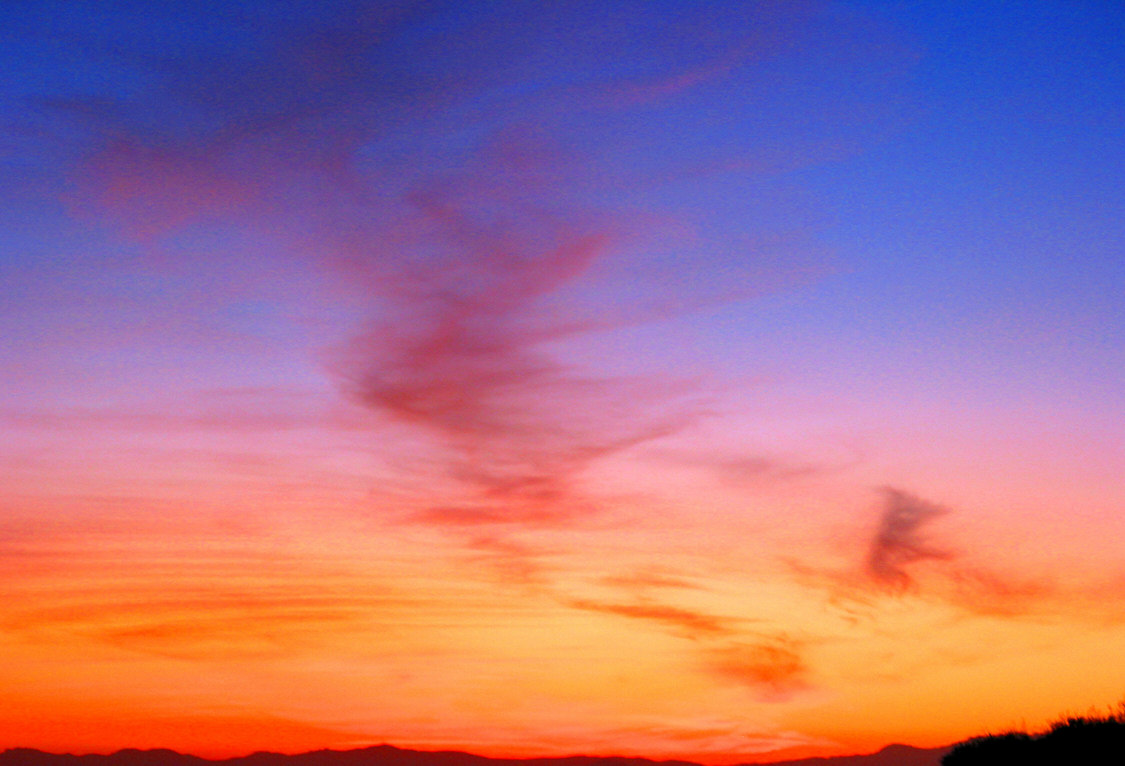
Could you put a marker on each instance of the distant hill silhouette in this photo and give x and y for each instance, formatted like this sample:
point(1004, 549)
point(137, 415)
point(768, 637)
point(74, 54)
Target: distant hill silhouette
point(891, 755)
point(1090, 740)
point(386, 755)
point(1084, 741)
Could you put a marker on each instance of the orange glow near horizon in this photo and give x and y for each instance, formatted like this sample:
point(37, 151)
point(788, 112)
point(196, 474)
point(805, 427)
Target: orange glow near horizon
point(220, 643)
point(719, 381)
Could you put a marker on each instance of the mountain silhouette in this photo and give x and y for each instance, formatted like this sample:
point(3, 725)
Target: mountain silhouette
point(387, 755)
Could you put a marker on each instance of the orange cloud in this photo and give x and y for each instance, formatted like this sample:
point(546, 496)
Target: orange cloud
point(690, 623)
point(774, 667)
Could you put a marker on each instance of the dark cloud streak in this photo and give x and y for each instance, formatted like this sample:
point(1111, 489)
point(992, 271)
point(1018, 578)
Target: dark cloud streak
point(899, 540)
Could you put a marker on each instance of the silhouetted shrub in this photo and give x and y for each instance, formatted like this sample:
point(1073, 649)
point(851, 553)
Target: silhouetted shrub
point(1071, 741)
point(1010, 748)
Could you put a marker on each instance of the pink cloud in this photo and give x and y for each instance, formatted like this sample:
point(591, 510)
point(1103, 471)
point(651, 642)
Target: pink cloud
point(471, 252)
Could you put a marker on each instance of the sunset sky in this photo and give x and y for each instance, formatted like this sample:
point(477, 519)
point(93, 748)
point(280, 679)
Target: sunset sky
point(711, 380)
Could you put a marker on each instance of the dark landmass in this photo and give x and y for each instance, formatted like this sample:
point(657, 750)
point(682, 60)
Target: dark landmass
point(1085, 741)
point(386, 755)
point(891, 755)
point(1091, 740)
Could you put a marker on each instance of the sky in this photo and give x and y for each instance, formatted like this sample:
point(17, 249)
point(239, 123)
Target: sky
point(711, 380)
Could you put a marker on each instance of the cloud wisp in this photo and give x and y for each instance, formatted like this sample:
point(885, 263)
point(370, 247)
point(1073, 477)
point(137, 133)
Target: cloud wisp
point(469, 245)
point(691, 624)
point(900, 541)
point(771, 665)
point(459, 351)
point(899, 559)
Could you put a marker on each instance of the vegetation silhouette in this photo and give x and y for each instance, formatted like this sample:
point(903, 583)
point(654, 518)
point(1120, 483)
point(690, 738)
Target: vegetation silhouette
point(1091, 740)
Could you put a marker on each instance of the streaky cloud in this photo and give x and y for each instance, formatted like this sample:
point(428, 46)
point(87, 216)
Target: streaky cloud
point(468, 260)
point(691, 623)
point(899, 540)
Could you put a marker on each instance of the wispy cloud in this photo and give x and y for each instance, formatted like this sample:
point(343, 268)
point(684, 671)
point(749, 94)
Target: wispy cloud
point(689, 623)
point(462, 355)
point(899, 558)
point(752, 471)
point(648, 579)
point(472, 254)
point(513, 562)
point(900, 541)
point(207, 622)
point(466, 244)
point(724, 40)
point(243, 410)
point(774, 667)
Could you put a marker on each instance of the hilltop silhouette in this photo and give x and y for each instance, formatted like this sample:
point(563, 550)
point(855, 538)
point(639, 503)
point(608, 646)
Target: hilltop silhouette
point(387, 755)
point(1077, 741)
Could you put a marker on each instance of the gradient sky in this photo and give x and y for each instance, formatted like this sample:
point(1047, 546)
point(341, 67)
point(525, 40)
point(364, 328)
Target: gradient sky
point(709, 380)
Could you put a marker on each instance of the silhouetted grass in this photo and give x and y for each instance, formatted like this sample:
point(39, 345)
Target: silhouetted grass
point(1090, 740)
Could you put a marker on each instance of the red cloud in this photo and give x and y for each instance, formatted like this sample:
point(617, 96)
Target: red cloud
point(773, 667)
